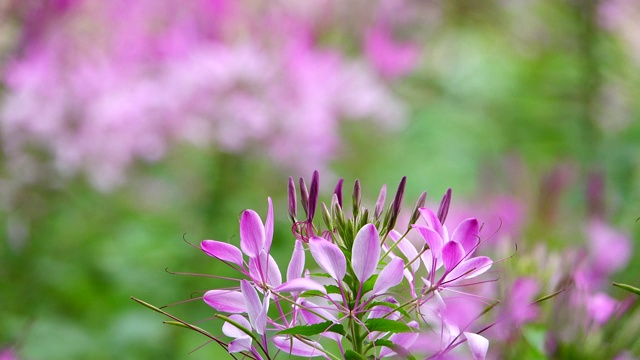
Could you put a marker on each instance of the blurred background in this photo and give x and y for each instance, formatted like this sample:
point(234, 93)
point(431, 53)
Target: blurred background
point(127, 127)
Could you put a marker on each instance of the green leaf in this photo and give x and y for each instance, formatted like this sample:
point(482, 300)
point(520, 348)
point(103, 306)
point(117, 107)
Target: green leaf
point(368, 285)
point(392, 306)
point(629, 288)
point(311, 293)
point(352, 355)
point(332, 289)
point(400, 351)
point(386, 325)
point(384, 342)
point(314, 329)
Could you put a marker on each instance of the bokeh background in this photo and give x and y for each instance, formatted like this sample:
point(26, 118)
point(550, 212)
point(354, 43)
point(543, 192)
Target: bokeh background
point(128, 127)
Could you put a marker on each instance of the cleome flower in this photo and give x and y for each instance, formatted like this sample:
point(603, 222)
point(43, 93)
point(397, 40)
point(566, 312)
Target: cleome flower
point(371, 292)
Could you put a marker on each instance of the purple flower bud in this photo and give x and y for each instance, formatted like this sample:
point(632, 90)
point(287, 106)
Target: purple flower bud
point(595, 194)
point(313, 195)
point(293, 206)
point(380, 202)
point(338, 191)
point(444, 206)
point(357, 197)
point(415, 214)
point(397, 203)
point(304, 196)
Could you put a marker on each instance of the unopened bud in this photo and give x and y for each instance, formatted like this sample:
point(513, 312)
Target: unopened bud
point(326, 216)
point(397, 203)
point(338, 191)
point(293, 205)
point(304, 197)
point(419, 204)
point(357, 197)
point(380, 202)
point(313, 195)
point(443, 210)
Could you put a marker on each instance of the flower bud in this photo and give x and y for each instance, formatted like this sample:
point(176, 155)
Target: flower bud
point(444, 206)
point(293, 206)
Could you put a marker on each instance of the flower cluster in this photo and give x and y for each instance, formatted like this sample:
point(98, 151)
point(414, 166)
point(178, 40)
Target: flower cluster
point(377, 293)
point(97, 85)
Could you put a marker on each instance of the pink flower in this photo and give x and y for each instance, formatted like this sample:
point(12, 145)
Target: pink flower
point(600, 307)
point(391, 58)
point(453, 252)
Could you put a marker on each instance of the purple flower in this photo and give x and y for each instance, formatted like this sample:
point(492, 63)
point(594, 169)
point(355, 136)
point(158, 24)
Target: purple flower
point(453, 252)
point(358, 299)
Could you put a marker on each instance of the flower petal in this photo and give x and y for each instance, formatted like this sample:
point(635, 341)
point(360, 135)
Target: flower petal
point(467, 235)
point(232, 331)
point(314, 314)
point(403, 340)
point(432, 220)
point(300, 284)
point(222, 251)
point(329, 257)
point(296, 265)
point(365, 252)
point(251, 233)
point(254, 306)
point(469, 268)
point(268, 227)
point(408, 250)
point(432, 238)
point(225, 301)
point(269, 272)
point(478, 345)
point(242, 343)
point(389, 277)
point(293, 346)
point(452, 254)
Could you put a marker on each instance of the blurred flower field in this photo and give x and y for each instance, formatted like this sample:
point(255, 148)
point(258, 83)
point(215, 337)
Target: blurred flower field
point(132, 131)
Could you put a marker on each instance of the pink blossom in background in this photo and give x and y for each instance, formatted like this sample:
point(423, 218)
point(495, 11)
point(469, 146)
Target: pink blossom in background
point(600, 307)
point(8, 354)
point(391, 58)
point(609, 248)
point(623, 18)
point(519, 308)
point(101, 85)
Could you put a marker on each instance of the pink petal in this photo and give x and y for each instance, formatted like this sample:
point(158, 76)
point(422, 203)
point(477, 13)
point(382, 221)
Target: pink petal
point(296, 265)
point(478, 345)
point(268, 227)
point(300, 284)
point(231, 330)
point(254, 307)
point(225, 301)
point(240, 344)
point(389, 277)
point(293, 346)
point(432, 238)
point(452, 254)
point(467, 235)
point(329, 257)
point(222, 251)
point(470, 268)
point(432, 220)
point(269, 272)
point(251, 233)
point(314, 314)
point(404, 340)
point(365, 252)
point(407, 249)
point(600, 307)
